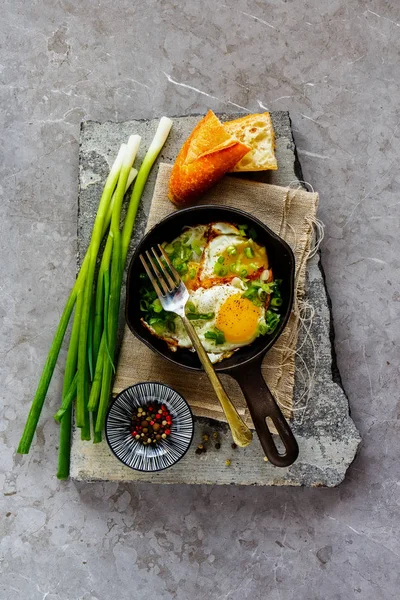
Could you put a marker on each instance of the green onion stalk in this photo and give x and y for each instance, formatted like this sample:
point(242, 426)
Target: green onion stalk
point(83, 371)
point(104, 266)
point(47, 373)
point(112, 286)
point(121, 242)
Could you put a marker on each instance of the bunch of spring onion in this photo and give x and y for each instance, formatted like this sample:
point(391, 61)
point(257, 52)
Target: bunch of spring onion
point(95, 301)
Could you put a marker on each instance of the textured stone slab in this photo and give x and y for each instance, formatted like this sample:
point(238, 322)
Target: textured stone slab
point(327, 436)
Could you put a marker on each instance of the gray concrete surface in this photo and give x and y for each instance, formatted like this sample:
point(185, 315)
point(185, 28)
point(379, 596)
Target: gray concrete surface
point(335, 66)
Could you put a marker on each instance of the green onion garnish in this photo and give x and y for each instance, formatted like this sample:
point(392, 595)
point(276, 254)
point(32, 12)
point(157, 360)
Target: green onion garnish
point(196, 248)
point(215, 334)
point(190, 306)
point(193, 316)
point(276, 302)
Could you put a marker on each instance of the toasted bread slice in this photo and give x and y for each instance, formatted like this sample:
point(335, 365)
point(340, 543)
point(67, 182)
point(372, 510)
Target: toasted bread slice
point(208, 153)
point(257, 132)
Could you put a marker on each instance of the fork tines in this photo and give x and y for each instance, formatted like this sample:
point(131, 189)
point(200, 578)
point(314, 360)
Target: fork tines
point(162, 273)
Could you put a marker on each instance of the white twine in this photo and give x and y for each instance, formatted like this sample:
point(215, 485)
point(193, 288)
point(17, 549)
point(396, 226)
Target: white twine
point(319, 234)
point(295, 184)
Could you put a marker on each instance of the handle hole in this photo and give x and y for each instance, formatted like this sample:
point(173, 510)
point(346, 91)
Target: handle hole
point(279, 445)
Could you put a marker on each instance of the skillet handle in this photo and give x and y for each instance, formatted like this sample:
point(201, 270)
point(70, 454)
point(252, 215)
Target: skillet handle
point(261, 405)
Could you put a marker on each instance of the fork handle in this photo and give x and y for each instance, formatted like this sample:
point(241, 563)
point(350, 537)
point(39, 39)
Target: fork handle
point(241, 434)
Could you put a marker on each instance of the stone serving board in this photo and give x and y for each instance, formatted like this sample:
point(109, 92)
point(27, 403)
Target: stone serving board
point(327, 437)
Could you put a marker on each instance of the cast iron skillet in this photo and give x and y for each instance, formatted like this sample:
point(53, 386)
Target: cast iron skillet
point(245, 364)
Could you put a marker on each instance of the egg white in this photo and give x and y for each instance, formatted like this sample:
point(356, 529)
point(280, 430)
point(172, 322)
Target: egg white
point(224, 228)
point(215, 248)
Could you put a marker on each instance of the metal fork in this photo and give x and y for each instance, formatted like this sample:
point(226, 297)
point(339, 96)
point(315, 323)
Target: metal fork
point(173, 296)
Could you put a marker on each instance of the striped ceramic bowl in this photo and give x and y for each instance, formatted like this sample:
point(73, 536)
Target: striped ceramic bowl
point(130, 451)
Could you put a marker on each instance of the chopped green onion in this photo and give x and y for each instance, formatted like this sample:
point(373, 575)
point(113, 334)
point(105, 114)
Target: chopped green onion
point(262, 329)
point(193, 316)
point(276, 302)
point(190, 306)
point(158, 325)
point(176, 262)
point(192, 273)
point(249, 252)
point(182, 269)
point(196, 248)
point(243, 272)
point(272, 320)
point(233, 268)
point(231, 250)
point(144, 305)
point(156, 306)
point(215, 334)
point(221, 260)
point(252, 234)
point(185, 253)
point(217, 268)
point(171, 325)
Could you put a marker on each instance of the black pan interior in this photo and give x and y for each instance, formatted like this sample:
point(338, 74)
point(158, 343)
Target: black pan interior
point(281, 259)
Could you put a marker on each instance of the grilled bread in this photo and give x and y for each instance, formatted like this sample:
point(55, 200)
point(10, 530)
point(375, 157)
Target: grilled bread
point(208, 153)
point(257, 132)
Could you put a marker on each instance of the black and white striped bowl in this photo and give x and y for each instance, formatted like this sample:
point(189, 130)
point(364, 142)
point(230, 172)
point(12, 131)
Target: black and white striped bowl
point(130, 451)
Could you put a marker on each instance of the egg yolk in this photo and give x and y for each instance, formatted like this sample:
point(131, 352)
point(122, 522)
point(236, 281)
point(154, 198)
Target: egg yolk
point(238, 319)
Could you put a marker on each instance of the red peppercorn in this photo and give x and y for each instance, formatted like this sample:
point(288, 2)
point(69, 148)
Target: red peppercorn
point(154, 427)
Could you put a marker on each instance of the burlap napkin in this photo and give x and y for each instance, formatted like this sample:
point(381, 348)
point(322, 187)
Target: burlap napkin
point(290, 213)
